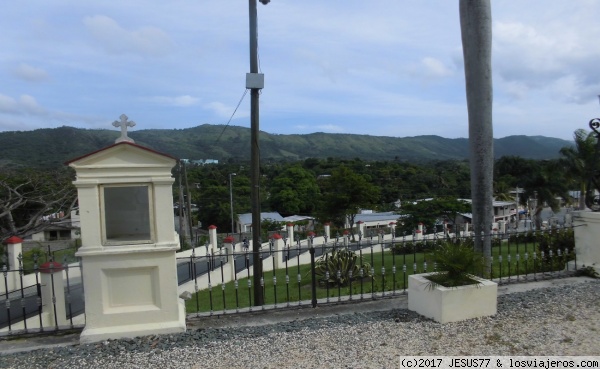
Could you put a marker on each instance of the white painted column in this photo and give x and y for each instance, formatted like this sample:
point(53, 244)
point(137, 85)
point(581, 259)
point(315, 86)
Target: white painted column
point(212, 236)
point(278, 250)
point(419, 232)
point(290, 232)
point(327, 230)
point(14, 245)
point(502, 227)
point(310, 236)
point(54, 312)
point(346, 237)
point(393, 229)
point(360, 226)
point(228, 243)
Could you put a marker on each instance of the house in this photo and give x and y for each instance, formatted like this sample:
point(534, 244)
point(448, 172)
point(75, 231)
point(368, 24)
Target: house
point(504, 211)
point(63, 229)
point(244, 221)
point(373, 221)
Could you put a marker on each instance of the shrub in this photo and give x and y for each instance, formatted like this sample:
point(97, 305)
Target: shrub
point(455, 262)
point(346, 262)
point(405, 248)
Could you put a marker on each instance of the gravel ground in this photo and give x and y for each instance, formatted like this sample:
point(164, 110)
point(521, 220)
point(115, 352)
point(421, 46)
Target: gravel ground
point(554, 321)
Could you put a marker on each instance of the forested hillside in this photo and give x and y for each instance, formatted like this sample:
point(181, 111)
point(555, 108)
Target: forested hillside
point(52, 147)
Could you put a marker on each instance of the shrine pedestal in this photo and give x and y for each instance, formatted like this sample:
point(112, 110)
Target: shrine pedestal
point(131, 292)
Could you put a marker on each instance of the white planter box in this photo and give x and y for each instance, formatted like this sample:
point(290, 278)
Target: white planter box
point(445, 305)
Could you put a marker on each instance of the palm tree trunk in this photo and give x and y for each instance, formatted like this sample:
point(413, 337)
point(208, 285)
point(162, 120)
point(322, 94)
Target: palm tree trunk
point(476, 31)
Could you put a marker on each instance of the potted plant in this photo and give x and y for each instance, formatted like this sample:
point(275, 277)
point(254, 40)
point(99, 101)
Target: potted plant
point(453, 293)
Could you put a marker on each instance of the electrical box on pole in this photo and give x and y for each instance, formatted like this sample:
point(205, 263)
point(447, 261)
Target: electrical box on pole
point(255, 80)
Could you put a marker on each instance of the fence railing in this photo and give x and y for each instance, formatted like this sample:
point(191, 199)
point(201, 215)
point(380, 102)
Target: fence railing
point(45, 296)
point(369, 269)
point(48, 296)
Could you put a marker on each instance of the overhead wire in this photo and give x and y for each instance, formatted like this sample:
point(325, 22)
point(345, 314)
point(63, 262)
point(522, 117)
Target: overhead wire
point(230, 118)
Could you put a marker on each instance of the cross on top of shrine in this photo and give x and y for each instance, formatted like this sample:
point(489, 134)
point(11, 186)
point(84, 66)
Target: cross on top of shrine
point(123, 123)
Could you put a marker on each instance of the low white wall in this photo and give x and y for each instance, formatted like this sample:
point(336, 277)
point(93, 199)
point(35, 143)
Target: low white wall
point(587, 236)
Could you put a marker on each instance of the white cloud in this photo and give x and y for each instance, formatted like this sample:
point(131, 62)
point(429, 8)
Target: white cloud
point(8, 104)
point(31, 74)
point(551, 58)
point(147, 41)
point(224, 111)
point(29, 105)
point(180, 101)
point(26, 104)
point(435, 68)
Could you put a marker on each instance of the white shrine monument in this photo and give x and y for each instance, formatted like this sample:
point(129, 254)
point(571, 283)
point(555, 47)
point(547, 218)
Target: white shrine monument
point(128, 241)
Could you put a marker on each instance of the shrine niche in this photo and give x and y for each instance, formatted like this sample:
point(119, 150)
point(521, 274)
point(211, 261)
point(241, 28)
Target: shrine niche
point(128, 241)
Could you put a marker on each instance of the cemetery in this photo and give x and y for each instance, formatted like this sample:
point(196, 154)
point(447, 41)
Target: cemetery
point(128, 245)
point(508, 273)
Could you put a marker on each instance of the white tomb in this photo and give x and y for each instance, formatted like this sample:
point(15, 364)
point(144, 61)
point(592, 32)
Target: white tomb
point(128, 242)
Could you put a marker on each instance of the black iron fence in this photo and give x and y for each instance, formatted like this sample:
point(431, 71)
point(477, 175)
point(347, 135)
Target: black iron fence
point(302, 274)
point(34, 294)
point(369, 269)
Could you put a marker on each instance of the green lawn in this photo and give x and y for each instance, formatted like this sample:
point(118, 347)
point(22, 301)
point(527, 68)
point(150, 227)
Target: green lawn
point(232, 297)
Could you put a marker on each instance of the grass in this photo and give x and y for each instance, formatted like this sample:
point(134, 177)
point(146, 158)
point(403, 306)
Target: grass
point(282, 292)
point(29, 258)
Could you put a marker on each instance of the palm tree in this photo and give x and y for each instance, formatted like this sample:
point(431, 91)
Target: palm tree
point(502, 191)
point(476, 32)
point(580, 161)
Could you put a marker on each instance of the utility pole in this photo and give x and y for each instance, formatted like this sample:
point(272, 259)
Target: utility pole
point(255, 82)
point(231, 202)
point(180, 186)
point(188, 205)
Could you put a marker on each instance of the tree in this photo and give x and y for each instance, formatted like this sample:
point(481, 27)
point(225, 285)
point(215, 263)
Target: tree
point(476, 32)
point(431, 211)
point(580, 161)
point(544, 187)
point(294, 191)
point(27, 197)
point(345, 193)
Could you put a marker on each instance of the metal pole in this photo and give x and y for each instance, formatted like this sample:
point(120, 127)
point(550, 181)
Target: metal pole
point(231, 201)
point(255, 159)
point(188, 204)
point(181, 227)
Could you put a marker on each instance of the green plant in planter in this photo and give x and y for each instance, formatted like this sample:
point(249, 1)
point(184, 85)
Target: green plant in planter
point(346, 262)
point(456, 264)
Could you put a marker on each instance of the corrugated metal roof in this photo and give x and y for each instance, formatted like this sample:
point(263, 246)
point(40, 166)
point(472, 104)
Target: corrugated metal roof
point(247, 217)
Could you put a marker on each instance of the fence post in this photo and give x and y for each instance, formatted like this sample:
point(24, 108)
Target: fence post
point(290, 232)
point(228, 245)
point(278, 251)
point(313, 274)
point(15, 248)
point(327, 231)
point(54, 312)
point(212, 236)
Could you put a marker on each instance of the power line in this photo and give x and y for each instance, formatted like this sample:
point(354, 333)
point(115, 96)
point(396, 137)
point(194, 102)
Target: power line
point(230, 118)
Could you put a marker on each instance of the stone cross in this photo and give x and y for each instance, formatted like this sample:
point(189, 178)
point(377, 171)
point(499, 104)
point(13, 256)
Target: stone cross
point(123, 123)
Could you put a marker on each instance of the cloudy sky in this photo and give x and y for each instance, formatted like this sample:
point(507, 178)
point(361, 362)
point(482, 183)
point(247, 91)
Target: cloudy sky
point(380, 67)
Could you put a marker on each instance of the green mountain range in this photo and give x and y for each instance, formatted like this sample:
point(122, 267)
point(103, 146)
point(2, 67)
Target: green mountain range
point(53, 147)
